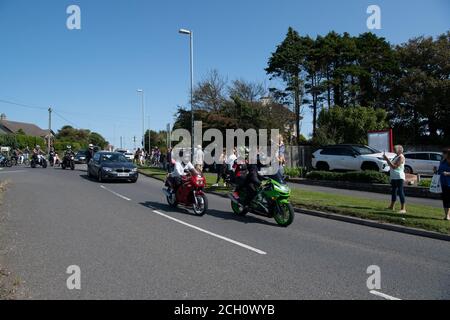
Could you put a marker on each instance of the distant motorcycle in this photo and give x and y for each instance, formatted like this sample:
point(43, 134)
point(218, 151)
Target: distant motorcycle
point(38, 160)
point(5, 162)
point(68, 162)
point(189, 194)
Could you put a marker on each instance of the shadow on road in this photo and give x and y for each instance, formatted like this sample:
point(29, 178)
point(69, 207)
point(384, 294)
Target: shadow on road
point(213, 213)
point(86, 177)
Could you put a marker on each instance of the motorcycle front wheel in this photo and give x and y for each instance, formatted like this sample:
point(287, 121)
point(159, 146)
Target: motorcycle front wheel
point(284, 214)
point(201, 206)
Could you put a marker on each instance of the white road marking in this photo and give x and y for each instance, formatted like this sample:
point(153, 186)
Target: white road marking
point(17, 171)
point(115, 193)
point(382, 295)
point(212, 234)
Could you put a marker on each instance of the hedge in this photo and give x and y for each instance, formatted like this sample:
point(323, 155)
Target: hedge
point(363, 176)
point(20, 141)
point(295, 172)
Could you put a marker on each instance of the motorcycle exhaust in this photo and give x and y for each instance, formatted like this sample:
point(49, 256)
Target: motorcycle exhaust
point(235, 201)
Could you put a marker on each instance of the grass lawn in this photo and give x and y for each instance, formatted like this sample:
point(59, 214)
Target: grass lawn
point(419, 216)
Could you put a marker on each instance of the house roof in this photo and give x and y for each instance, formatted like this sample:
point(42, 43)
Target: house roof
point(29, 128)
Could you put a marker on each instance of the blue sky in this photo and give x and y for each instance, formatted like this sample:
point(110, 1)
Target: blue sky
point(90, 76)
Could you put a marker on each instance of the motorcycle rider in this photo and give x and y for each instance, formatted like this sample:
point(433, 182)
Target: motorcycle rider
point(69, 152)
point(51, 157)
point(181, 167)
point(90, 153)
point(248, 174)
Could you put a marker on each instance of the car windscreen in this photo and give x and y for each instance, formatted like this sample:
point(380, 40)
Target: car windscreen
point(116, 157)
point(365, 150)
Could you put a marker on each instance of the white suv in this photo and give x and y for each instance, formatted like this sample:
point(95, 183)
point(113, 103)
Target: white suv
point(350, 158)
point(422, 162)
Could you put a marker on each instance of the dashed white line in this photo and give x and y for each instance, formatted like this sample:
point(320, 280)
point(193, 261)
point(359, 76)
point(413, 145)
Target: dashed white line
point(212, 234)
point(115, 193)
point(383, 295)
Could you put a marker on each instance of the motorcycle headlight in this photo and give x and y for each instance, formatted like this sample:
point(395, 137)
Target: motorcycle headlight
point(283, 189)
point(107, 169)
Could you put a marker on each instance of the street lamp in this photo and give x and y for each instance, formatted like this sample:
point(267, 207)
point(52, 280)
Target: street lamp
point(191, 38)
point(140, 91)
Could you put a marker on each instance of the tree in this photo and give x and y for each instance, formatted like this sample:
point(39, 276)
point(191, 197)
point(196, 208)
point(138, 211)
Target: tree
point(246, 91)
point(420, 110)
point(209, 94)
point(287, 63)
point(349, 124)
point(68, 135)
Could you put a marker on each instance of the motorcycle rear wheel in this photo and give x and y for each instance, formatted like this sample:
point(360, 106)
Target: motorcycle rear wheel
point(172, 201)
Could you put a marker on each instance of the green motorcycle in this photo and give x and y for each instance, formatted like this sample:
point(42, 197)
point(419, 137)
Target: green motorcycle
point(271, 201)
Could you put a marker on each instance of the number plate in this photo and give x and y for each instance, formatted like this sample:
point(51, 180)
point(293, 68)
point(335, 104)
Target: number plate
point(123, 174)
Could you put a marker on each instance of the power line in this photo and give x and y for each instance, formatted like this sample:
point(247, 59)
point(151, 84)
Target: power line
point(22, 105)
point(68, 121)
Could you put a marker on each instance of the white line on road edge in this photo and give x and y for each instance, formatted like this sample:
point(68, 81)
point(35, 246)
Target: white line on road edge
point(115, 193)
point(212, 234)
point(382, 295)
point(17, 171)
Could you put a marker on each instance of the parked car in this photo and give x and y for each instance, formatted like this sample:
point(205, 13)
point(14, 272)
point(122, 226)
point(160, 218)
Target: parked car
point(350, 158)
point(422, 162)
point(112, 166)
point(129, 155)
point(80, 157)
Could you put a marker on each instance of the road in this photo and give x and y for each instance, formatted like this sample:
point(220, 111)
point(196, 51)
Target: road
point(130, 245)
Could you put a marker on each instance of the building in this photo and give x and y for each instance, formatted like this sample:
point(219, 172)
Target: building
point(12, 127)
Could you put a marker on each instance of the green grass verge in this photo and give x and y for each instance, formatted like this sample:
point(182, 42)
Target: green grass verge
point(419, 216)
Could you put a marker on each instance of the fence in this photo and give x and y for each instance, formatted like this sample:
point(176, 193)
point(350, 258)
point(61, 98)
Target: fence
point(299, 156)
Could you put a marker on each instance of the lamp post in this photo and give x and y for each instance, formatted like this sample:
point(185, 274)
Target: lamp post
point(140, 91)
point(191, 43)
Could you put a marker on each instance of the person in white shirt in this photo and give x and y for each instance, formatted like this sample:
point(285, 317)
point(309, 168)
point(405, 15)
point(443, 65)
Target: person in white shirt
point(231, 159)
point(199, 158)
point(180, 170)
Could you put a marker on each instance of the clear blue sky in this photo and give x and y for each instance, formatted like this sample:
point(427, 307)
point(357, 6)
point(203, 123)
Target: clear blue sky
point(91, 75)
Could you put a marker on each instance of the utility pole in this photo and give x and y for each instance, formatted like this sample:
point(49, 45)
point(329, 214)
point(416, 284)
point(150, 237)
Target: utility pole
point(121, 142)
point(168, 137)
point(149, 137)
point(49, 142)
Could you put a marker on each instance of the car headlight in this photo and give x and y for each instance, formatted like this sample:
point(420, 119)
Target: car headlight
point(135, 170)
point(107, 169)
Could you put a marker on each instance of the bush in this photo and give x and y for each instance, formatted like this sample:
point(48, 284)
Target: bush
point(363, 176)
point(20, 141)
point(425, 183)
point(294, 172)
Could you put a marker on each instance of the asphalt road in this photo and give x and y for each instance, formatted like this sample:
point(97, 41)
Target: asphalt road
point(130, 245)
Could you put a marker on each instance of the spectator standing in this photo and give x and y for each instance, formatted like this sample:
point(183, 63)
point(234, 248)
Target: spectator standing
point(199, 157)
point(398, 178)
point(444, 172)
point(169, 160)
point(221, 168)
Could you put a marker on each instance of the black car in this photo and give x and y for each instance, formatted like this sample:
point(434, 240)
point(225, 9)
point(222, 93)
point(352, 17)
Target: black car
point(112, 166)
point(80, 157)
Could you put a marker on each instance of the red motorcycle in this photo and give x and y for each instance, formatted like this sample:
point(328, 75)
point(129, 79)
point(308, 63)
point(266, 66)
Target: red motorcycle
point(191, 193)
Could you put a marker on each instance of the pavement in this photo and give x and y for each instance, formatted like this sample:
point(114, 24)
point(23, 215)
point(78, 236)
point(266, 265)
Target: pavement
point(130, 245)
